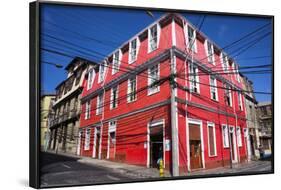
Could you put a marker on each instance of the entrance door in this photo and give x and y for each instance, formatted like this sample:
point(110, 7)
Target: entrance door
point(97, 142)
point(156, 145)
point(112, 145)
point(195, 146)
point(233, 144)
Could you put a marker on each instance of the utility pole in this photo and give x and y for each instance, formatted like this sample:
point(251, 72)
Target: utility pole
point(175, 146)
point(228, 129)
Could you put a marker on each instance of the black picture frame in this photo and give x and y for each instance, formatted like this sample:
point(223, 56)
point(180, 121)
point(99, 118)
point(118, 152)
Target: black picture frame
point(35, 94)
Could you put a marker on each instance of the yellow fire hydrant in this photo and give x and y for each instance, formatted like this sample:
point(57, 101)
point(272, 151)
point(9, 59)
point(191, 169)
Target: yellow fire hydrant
point(161, 168)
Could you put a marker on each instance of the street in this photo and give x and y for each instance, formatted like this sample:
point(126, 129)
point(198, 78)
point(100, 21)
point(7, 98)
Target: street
point(60, 170)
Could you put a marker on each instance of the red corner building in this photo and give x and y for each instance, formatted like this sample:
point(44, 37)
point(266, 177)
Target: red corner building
point(168, 86)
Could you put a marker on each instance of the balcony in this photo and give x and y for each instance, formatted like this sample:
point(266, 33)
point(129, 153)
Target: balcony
point(74, 113)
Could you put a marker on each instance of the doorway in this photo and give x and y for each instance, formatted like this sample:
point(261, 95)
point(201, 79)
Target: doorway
point(97, 142)
point(233, 144)
point(195, 146)
point(156, 144)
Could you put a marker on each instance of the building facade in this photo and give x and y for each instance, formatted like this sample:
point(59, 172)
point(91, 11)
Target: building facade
point(46, 107)
point(252, 119)
point(64, 122)
point(169, 74)
point(265, 123)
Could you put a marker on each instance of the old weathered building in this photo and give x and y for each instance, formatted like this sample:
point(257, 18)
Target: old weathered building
point(46, 107)
point(265, 123)
point(252, 119)
point(64, 123)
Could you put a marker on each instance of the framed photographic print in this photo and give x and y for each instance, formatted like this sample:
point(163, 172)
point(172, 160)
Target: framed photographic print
point(130, 94)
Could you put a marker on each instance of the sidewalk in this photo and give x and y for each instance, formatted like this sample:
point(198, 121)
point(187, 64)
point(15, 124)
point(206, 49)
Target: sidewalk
point(132, 171)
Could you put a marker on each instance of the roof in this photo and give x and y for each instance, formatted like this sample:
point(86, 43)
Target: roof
point(77, 59)
point(264, 104)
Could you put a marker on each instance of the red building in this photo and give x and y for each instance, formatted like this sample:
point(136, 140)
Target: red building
point(126, 102)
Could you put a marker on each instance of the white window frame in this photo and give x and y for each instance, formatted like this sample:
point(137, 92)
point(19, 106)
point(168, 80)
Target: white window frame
point(111, 97)
point(236, 71)
point(194, 45)
point(99, 108)
point(214, 137)
point(102, 75)
point(214, 87)
point(228, 91)
point(154, 89)
point(239, 136)
point(224, 61)
point(158, 30)
point(210, 57)
point(90, 79)
point(193, 78)
point(133, 59)
point(87, 139)
point(240, 102)
point(225, 136)
point(111, 129)
point(129, 89)
point(88, 110)
point(115, 68)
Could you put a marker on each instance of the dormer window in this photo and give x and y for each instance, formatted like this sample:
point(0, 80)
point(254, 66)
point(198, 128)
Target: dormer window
point(153, 37)
point(91, 76)
point(210, 52)
point(191, 38)
point(224, 60)
point(133, 50)
point(102, 71)
point(116, 61)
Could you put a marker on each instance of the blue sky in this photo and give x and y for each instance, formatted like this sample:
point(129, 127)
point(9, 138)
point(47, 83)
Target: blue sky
point(104, 29)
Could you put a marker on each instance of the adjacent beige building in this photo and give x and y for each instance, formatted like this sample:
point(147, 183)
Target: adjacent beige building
point(46, 106)
point(64, 123)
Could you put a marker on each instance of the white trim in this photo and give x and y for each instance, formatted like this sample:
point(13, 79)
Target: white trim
point(191, 77)
point(111, 128)
point(116, 70)
point(158, 28)
point(174, 40)
point(87, 140)
point(151, 91)
point(186, 26)
point(212, 55)
point(196, 122)
point(214, 137)
point(100, 147)
point(225, 137)
point(239, 136)
point(130, 61)
point(240, 102)
point(128, 87)
point(111, 97)
point(225, 67)
point(232, 130)
point(216, 88)
point(87, 110)
point(80, 133)
point(90, 80)
point(102, 77)
point(99, 108)
point(152, 124)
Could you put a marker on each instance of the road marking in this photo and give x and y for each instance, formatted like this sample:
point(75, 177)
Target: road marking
point(66, 166)
point(113, 178)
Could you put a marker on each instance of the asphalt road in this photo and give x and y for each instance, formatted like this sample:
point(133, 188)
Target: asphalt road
point(57, 170)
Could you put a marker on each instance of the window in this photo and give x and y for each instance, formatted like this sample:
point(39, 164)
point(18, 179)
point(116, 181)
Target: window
point(224, 60)
point(102, 71)
point(114, 97)
point(240, 101)
point(225, 136)
point(228, 95)
point(239, 137)
point(193, 78)
point(90, 79)
point(191, 39)
point(88, 110)
point(131, 91)
point(212, 139)
point(153, 77)
point(87, 139)
point(235, 70)
point(213, 88)
point(133, 50)
point(116, 61)
point(99, 104)
point(112, 130)
point(210, 52)
point(153, 37)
